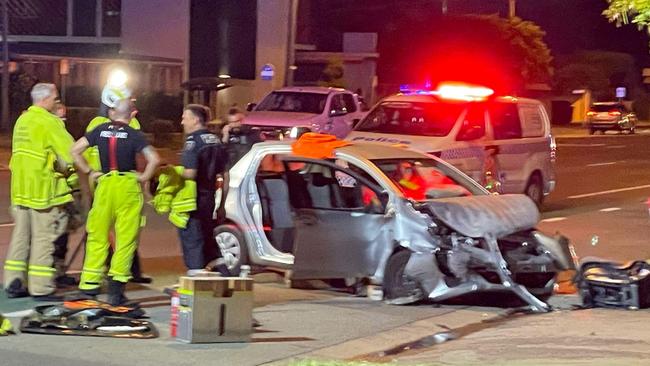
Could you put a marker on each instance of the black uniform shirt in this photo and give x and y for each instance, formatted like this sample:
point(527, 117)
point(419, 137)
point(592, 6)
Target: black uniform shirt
point(118, 145)
point(207, 162)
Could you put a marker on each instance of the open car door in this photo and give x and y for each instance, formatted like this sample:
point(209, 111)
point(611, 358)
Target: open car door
point(340, 229)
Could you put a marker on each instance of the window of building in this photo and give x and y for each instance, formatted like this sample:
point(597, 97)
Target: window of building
point(84, 18)
point(111, 18)
point(37, 17)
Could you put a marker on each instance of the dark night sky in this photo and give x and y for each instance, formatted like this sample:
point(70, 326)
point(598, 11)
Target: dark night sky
point(570, 24)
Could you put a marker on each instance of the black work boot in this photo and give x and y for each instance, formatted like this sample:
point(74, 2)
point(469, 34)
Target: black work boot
point(16, 289)
point(116, 293)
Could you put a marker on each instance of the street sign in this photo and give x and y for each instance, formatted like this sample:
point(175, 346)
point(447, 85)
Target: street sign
point(621, 92)
point(267, 72)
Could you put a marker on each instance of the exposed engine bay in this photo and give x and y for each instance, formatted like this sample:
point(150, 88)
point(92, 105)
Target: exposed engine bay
point(487, 243)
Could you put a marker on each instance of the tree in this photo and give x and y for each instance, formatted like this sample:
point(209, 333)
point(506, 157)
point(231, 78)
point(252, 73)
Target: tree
point(332, 75)
point(629, 11)
point(526, 40)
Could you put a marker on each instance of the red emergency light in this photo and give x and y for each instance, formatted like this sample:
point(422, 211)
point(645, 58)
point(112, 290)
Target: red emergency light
point(614, 113)
point(464, 92)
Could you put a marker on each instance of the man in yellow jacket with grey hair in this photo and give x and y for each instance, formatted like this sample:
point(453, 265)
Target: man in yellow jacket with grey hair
point(40, 160)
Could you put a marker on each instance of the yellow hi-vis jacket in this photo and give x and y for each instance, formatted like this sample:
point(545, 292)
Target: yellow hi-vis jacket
point(92, 154)
point(175, 195)
point(39, 140)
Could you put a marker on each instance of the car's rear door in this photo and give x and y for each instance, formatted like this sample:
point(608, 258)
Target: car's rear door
point(339, 230)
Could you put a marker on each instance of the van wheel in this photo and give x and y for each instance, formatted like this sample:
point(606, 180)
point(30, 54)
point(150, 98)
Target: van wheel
point(535, 189)
point(233, 247)
point(396, 283)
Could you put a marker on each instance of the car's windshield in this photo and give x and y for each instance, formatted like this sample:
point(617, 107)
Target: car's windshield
point(293, 102)
point(421, 179)
point(412, 118)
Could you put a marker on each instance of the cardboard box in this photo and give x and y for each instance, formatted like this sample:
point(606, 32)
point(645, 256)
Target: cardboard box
point(215, 309)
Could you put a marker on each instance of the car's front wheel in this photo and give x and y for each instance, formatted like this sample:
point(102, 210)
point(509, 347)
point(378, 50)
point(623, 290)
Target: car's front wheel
point(233, 247)
point(397, 285)
point(535, 189)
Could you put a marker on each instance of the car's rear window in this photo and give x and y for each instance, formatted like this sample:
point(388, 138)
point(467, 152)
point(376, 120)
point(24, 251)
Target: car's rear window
point(412, 118)
point(606, 107)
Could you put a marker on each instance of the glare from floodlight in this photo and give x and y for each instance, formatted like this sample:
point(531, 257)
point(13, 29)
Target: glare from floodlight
point(117, 78)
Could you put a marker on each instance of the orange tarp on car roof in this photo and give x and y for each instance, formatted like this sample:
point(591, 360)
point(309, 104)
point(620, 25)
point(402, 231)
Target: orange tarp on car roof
point(317, 145)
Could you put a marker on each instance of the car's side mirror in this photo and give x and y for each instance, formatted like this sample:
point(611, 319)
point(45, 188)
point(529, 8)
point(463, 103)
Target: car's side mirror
point(338, 112)
point(251, 106)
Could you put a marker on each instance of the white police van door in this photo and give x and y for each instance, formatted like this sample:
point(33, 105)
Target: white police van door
point(467, 152)
point(523, 142)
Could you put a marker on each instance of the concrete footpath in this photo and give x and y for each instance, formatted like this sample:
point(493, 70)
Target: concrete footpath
point(318, 324)
point(322, 327)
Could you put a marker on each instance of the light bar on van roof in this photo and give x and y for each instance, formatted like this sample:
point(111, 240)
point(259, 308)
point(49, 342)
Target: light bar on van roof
point(453, 91)
point(466, 92)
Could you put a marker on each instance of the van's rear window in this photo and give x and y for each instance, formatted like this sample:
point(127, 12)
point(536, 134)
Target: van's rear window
point(412, 118)
point(606, 107)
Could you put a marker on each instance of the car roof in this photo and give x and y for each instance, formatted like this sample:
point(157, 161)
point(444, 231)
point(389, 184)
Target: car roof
point(367, 150)
point(310, 89)
point(424, 98)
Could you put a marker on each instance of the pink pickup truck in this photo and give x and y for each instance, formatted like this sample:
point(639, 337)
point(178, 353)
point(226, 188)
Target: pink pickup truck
point(327, 110)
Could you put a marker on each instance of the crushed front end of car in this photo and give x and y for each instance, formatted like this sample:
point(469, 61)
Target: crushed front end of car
point(483, 243)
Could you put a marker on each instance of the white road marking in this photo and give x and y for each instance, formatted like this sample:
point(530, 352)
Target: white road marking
point(610, 209)
point(603, 164)
point(554, 219)
point(609, 191)
point(7, 225)
point(581, 145)
point(616, 147)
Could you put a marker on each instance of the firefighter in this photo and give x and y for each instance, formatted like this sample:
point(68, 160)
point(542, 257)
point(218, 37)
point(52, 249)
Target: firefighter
point(92, 157)
point(40, 163)
point(203, 159)
point(118, 199)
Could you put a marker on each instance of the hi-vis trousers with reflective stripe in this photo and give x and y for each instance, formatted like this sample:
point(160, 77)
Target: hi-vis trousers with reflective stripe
point(118, 200)
point(32, 246)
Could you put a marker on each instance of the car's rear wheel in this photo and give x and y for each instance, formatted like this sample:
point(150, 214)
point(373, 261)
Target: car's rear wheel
point(396, 283)
point(535, 189)
point(233, 247)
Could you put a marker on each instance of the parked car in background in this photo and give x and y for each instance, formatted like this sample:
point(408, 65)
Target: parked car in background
point(326, 110)
point(611, 116)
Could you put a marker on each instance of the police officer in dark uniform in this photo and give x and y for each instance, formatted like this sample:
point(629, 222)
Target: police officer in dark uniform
point(239, 138)
point(118, 200)
point(203, 159)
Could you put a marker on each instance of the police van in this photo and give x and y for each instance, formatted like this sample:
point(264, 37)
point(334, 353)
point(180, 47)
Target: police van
point(501, 140)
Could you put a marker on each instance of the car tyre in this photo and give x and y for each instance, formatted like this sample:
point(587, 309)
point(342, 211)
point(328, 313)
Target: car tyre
point(535, 189)
point(233, 247)
point(396, 284)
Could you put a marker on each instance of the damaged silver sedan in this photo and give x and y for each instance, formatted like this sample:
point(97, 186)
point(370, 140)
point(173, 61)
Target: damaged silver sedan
point(389, 216)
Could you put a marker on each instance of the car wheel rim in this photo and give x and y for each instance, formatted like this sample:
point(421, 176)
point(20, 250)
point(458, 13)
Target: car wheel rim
point(230, 248)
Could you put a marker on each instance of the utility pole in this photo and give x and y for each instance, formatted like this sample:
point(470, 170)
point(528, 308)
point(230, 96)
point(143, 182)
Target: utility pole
point(512, 8)
point(4, 123)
